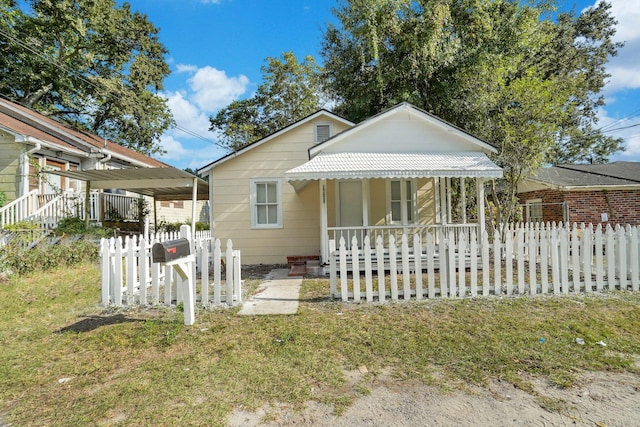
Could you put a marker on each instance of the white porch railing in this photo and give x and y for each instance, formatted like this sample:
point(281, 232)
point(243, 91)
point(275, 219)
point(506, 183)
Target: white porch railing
point(62, 206)
point(530, 259)
point(386, 231)
point(120, 207)
point(18, 209)
point(48, 209)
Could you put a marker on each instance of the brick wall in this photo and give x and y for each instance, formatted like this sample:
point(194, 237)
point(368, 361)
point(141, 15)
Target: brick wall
point(621, 206)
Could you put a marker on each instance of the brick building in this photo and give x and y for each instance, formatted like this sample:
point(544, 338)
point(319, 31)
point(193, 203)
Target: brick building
point(603, 193)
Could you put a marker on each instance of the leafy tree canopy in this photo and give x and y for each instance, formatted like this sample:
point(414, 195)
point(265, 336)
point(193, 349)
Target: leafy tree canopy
point(91, 63)
point(290, 91)
point(497, 68)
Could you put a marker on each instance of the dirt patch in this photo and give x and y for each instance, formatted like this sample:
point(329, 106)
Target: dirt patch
point(600, 399)
point(259, 271)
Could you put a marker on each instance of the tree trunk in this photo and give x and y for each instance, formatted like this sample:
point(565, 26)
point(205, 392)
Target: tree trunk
point(28, 101)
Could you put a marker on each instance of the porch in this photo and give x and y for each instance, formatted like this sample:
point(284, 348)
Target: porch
point(384, 195)
point(46, 210)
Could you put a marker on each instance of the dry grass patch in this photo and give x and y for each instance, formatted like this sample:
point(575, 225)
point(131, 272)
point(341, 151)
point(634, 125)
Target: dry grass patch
point(65, 361)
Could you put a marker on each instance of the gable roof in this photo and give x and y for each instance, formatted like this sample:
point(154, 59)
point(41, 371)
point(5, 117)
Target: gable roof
point(615, 174)
point(251, 146)
point(34, 127)
point(413, 111)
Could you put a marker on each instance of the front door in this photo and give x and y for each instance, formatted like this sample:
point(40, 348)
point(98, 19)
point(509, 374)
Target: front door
point(350, 204)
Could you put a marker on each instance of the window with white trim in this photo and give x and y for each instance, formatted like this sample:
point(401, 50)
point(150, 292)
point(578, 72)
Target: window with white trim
point(266, 203)
point(322, 131)
point(534, 210)
point(401, 201)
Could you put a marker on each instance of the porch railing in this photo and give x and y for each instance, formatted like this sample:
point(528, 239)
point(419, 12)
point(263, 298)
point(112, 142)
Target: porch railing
point(18, 209)
point(454, 230)
point(118, 207)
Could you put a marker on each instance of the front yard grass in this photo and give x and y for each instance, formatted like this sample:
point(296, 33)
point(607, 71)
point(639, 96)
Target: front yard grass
point(64, 361)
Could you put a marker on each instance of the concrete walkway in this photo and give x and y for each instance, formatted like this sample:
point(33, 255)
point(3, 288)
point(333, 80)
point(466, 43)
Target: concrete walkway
point(278, 294)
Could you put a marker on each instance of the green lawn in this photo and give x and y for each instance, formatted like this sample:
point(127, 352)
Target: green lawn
point(65, 361)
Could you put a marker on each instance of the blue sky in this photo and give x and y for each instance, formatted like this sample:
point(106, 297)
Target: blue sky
point(216, 49)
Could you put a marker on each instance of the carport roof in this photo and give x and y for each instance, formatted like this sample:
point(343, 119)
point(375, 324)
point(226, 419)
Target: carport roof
point(166, 183)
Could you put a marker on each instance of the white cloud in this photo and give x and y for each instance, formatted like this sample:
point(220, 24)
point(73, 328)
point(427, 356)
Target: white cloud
point(625, 68)
point(174, 149)
point(187, 114)
point(186, 68)
point(205, 90)
point(627, 13)
point(213, 89)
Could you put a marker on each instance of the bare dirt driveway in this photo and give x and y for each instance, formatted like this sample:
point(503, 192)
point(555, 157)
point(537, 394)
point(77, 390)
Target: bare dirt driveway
point(600, 399)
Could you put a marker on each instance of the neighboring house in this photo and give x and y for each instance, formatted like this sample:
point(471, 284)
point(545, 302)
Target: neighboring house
point(31, 143)
point(323, 178)
point(591, 194)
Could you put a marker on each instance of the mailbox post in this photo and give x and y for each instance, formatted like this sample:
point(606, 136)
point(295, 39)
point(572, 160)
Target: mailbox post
point(177, 253)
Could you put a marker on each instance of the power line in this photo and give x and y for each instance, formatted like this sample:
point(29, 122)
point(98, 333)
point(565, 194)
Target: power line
point(630, 116)
point(620, 128)
point(101, 88)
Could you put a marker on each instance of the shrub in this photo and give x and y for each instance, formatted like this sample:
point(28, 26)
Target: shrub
point(75, 225)
point(175, 226)
point(3, 198)
point(22, 260)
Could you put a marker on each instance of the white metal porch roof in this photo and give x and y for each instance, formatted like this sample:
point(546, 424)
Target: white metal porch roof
point(395, 166)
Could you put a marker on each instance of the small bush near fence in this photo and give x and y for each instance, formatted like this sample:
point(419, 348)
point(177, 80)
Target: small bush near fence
point(174, 227)
point(75, 226)
point(22, 260)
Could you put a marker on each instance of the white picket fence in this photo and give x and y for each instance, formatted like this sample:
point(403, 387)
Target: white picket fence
point(529, 259)
point(129, 277)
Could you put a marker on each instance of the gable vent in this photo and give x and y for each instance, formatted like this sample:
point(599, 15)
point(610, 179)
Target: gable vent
point(323, 132)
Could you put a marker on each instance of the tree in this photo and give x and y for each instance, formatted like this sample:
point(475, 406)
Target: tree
point(496, 68)
point(290, 91)
point(89, 63)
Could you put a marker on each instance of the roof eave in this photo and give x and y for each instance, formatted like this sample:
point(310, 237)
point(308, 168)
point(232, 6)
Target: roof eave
point(227, 157)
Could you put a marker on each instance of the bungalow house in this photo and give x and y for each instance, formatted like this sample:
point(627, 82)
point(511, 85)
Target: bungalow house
point(31, 143)
point(591, 194)
point(324, 177)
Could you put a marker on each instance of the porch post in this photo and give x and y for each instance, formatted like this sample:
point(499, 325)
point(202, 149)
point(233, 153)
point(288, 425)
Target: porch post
point(443, 200)
point(194, 198)
point(87, 204)
point(155, 215)
point(463, 199)
point(211, 227)
point(480, 201)
point(449, 209)
point(324, 248)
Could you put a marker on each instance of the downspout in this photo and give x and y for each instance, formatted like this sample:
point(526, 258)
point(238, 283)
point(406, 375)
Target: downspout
point(24, 178)
point(105, 159)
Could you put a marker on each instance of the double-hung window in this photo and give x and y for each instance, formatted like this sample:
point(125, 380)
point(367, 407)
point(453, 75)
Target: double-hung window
point(401, 201)
point(266, 203)
point(534, 210)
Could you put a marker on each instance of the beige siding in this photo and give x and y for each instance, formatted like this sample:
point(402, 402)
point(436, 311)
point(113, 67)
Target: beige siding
point(378, 202)
point(426, 201)
point(9, 166)
point(399, 133)
point(300, 232)
point(174, 213)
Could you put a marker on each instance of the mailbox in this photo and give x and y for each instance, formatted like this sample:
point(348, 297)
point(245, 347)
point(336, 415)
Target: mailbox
point(170, 250)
